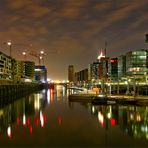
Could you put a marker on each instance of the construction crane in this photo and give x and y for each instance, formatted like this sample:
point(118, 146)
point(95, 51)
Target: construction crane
point(39, 56)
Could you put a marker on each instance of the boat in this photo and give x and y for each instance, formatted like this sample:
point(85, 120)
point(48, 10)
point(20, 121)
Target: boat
point(103, 100)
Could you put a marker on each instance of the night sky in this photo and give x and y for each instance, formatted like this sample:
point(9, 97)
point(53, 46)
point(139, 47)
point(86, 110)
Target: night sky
point(72, 31)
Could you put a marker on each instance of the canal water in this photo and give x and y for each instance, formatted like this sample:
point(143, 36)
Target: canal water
point(47, 118)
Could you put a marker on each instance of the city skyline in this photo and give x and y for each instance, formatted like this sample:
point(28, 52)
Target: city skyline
point(72, 32)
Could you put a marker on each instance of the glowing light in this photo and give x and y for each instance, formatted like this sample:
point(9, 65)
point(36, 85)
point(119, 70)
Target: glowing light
point(48, 79)
point(30, 129)
point(57, 81)
point(28, 80)
point(41, 57)
point(131, 117)
point(24, 119)
point(41, 52)
point(41, 119)
point(51, 95)
point(9, 133)
point(93, 109)
point(9, 43)
point(113, 61)
point(109, 115)
point(37, 103)
point(138, 117)
point(24, 53)
point(48, 96)
point(101, 118)
point(101, 55)
point(63, 81)
point(113, 122)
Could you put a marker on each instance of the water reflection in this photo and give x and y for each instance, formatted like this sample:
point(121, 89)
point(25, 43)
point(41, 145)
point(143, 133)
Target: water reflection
point(133, 120)
point(20, 110)
point(49, 110)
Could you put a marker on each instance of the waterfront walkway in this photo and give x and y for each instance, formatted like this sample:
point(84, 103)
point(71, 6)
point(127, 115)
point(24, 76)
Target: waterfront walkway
point(91, 96)
point(93, 93)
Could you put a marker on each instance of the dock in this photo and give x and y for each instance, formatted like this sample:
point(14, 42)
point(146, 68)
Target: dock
point(119, 99)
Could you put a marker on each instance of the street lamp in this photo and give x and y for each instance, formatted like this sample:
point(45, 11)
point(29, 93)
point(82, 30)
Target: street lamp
point(41, 55)
point(24, 54)
point(41, 52)
point(40, 58)
point(9, 44)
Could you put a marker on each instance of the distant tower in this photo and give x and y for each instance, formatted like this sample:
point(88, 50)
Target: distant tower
point(71, 73)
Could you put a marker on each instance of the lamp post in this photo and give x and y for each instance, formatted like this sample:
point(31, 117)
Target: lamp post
point(42, 54)
point(10, 46)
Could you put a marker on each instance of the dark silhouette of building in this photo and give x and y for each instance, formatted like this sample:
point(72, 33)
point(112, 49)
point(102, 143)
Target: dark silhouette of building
point(71, 74)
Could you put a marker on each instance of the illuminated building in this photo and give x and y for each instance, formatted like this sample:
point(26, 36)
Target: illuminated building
point(98, 69)
point(103, 67)
point(137, 63)
point(41, 73)
point(71, 73)
point(113, 68)
point(5, 66)
point(121, 66)
point(18, 70)
point(95, 70)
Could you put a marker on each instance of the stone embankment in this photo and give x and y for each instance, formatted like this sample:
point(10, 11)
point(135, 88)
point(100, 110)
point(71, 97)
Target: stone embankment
point(9, 93)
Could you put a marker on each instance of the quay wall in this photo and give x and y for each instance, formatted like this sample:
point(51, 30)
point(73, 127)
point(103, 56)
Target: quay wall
point(11, 92)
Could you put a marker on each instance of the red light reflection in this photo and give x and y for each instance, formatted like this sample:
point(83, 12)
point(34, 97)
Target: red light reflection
point(18, 121)
point(113, 121)
point(30, 129)
point(28, 121)
point(59, 120)
point(37, 121)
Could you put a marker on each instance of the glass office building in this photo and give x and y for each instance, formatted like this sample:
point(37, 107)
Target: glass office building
point(137, 63)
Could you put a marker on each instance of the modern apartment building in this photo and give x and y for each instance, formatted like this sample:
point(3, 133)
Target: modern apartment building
point(29, 70)
point(18, 70)
point(5, 67)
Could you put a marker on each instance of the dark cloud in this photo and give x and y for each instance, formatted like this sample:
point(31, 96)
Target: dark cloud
point(73, 31)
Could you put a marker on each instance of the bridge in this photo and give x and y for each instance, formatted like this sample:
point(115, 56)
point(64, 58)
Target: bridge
point(76, 88)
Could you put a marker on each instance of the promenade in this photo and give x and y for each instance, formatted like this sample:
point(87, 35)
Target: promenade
point(91, 96)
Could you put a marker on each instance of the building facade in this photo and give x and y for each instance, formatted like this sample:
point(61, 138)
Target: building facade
point(18, 70)
point(121, 66)
point(5, 67)
point(29, 70)
point(40, 74)
point(137, 63)
point(113, 68)
point(71, 74)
